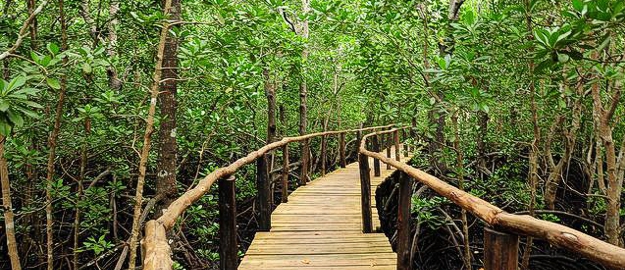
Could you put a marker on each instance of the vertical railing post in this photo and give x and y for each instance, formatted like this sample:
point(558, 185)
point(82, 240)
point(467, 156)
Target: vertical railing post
point(403, 221)
point(501, 250)
point(285, 173)
point(324, 147)
point(264, 194)
point(357, 144)
point(397, 149)
point(365, 193)
point(388, 143)
point(342, 158)
point(376, 162)
point(228, 257)
point(405, 137)
point(304, 162)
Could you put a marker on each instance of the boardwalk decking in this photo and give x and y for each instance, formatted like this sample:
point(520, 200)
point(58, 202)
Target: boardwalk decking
point(321, 228)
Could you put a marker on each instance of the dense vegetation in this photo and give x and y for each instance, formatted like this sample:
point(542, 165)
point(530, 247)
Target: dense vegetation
point(110, 109)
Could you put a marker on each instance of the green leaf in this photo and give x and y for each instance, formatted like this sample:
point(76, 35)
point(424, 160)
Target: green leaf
point(28, 113)
point(4, 105)
point(15, 118)
point(53, 83)
point(53, 48)
point(5, 128)
point(578, 5)
point(34, 56)
point(32, 104)
point(16, 83)
point(86, 68)
point(27, 91)
point(563, 58)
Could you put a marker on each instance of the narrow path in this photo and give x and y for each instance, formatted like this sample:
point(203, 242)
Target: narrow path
point(321, 228)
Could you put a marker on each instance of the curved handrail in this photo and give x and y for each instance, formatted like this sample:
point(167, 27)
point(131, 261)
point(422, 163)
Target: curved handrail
point(156, 247)
point(559, 235)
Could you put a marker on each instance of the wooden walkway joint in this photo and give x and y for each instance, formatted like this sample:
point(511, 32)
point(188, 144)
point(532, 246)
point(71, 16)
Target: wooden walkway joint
point(321, 227)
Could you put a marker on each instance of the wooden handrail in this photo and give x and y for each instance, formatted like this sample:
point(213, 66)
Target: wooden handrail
point(559, 235)
point(155, 244)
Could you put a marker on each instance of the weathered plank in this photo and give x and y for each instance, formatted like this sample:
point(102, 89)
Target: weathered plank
point(321, 228)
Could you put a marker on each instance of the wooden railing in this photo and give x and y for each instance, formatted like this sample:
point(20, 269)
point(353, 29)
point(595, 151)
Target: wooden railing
point(501, 240)
point(156, 250)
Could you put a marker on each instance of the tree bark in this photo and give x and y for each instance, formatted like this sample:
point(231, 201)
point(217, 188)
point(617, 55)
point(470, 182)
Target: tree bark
point(9, 223)
point(534, 151)
point(114, 82)
point(52, 143)
point(168, 148)
point(303, 93)
point(147, 137)
point(463, 213)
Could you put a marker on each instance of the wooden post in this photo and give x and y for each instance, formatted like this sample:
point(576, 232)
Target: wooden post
point(304, 162)
point(365, 193)
point(376, 162)
point(397, 148)
point(264, 194)
point(324, 146)
point(405, 137)
point(501, 250)
point(228, 257)
point(285, 173)
point(389, 139)
point(358, 139)
point(403, 221)
point(342, 158)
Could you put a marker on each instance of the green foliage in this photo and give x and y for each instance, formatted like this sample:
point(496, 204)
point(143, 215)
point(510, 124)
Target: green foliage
point(15, 103)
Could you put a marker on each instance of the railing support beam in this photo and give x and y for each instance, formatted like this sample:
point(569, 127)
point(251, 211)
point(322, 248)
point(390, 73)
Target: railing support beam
point(501, 250)
point(376, 162)
point(365, 192)
point(342, 158)
point(403, 221)
point(285, 173)
point(228, 249)
point(264, 194)
point(405, 137)
point(397, 149)
point(388, 143)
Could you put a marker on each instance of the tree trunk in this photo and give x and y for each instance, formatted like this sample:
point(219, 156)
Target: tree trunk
point(9, 223)
point(270, 93)
point(534, 152)
point(114, 82)
point(168, 152)
point(303, 93)
point(149, 128)
point(52, 141)
point(79, 193)
point(463, 213)
point(33, 25)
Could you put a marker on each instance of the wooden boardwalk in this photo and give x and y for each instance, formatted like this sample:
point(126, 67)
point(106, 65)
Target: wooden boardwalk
point(321, 228)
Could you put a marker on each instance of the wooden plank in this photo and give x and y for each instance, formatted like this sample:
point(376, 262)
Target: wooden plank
point(321, 227)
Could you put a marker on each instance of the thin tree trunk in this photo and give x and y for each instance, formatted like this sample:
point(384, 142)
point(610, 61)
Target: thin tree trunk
point(79, 193)
point(270, 93)
point(33, 24)
point(603, 117)
point(114, 82)
point(534, 152)
point(85, 13)
point(9, 223)
point(303, 93)
point(168, 152)
point(52, 143)
point(147, 137)
point(463, 213)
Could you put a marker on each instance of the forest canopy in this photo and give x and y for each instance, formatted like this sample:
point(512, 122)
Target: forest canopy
point(110, 110)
